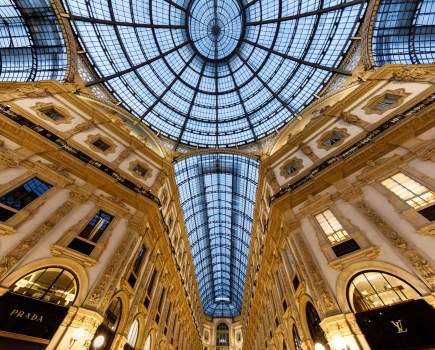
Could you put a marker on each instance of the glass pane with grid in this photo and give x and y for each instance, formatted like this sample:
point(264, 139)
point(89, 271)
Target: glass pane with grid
point(331, 227)
point(412, 192)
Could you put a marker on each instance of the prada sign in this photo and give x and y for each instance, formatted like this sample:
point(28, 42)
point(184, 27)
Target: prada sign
point(30, 317)
point(403, 326)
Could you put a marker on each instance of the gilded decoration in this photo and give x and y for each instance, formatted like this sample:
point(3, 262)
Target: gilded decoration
point(372, 106)
point(332, 138)
point(106, 147)
point(42, 109)
point(291, 167)
point(140, 170)
point(352, 119)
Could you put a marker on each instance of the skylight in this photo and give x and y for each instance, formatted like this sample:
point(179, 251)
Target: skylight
point(215, 73)
point(217, 192)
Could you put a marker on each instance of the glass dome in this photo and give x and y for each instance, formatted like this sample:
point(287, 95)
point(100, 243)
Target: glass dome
point(215, 73)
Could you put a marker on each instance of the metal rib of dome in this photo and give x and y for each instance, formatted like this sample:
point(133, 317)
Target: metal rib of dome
point(217, 192)
point(215, 73)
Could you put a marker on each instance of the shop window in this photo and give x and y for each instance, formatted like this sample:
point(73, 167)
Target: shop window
point(132, 336)
point(147, 345)
point(89, 236)
point(331, 227)
point(15, 200)
point(413, 193)
point(374, 289)
point(313, 322)
point(109, 326)
point(222, 336)
point(137, 266)
point(296, 339)
point(53, 285)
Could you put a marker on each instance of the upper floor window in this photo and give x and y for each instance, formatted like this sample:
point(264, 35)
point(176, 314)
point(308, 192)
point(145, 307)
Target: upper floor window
point(150, 289)
point(21, 196)
point(331, 140)
point(136, 266)
point(54, 285)
point(412, 192)
point(100, 144)
point(387, 102)
point(147, 345)
point(222, 335)
point(91, 233)
point(53, 114)
point(296, 339)
point(332, 228)
point(374, 289)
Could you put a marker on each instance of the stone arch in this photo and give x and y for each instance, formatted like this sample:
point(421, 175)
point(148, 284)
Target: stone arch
point(71, 265)
point(349, 272)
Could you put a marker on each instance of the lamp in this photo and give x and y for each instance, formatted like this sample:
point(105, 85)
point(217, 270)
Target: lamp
point(99, 341)
point(78, 333)
point(318, 346)
point(339, 343)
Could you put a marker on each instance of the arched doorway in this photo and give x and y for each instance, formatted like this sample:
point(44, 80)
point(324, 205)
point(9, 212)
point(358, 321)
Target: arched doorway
point(313, 323)
point(222, 337)
point(107, 329)
point(390, 312)
point(35, 306)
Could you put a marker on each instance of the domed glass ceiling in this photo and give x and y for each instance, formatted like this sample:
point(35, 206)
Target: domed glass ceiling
point(215, 73)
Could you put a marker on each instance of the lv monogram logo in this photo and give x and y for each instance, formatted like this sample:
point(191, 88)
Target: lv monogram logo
point(399, 326)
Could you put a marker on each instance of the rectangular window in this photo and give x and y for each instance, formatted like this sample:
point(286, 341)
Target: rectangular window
point(387, 102)
point(292, 168)
point(409, 190)
point(100, 144)
point(150, 289)
point(21, 196)
point(136, 267)
point(331, 227)
point(334, 138)
point(52, 114)
point(91, 233)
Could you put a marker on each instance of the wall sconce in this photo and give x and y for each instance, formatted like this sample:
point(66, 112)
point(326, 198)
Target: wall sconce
point(99, 341)
point(339, 343)
point(78, 333)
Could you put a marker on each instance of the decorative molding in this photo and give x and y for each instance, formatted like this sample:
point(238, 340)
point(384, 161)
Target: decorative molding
point(419, 263)
point(340, 263)
point(86, 261)
point(370, 107)
point(6, 230)
point(353, 119)
point(41, 108)
point(308, 151)
point(411, 73)
point(10, 259)
point(92, 139)
point(137, 172)
point(342, 132)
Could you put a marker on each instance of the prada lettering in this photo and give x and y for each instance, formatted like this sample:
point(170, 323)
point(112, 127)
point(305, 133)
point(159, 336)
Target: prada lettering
point(398, 325)
point(26, 315)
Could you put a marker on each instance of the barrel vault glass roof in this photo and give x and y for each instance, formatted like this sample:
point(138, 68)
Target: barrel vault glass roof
point(215, 73)
point(217, 194)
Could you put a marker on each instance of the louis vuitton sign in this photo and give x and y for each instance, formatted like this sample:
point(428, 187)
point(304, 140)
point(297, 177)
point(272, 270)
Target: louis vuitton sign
point(403, 326)
point(26, 316)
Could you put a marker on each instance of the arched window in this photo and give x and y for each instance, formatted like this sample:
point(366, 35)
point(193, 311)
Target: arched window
point(296, 338)
point(132, 335)
point(148, 343)
point(313, 321)
point(374, 289)
point(222, 336)
point(108, 327)
point(54, 285)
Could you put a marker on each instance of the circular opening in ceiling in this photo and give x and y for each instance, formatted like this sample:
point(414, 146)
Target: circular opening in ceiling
point(215, 27)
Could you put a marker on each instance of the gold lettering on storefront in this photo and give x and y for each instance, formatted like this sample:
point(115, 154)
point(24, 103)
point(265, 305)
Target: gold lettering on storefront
point(26, 315)
point(398, 325)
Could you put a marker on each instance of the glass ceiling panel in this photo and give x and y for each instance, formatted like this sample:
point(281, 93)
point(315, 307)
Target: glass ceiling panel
point(217, 192)
point(215, 73)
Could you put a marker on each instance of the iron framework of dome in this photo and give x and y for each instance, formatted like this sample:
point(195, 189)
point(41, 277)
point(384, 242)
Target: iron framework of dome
point(215, 73)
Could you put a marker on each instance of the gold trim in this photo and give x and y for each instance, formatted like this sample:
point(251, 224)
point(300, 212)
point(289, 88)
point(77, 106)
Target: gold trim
point(41, 108)
point(137, 173)
point(342, 132)
point(296, 161)
point(23, 337)
point(94, 138)
point(369, 108)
